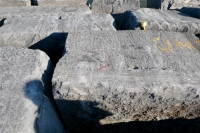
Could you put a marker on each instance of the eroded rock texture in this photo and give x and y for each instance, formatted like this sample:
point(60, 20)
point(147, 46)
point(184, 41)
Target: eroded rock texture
point(162, 20)
point(113, 6)
point(172, 4)
point(109, 77)
point(23, 107)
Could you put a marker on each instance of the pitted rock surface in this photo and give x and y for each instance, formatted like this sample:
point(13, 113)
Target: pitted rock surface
point(23, 107)
point(109, 77)
point(172, 4)
point(162, 20)
point(6, 3)
point(113, 6)
point(192, 11)
point(6, 12)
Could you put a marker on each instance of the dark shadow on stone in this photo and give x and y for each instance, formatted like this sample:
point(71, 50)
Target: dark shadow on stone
point(122, 21)
point(164, 126)
point(192, 11)
point(198, 35)
point(154, 4)
point(84, 117)
point(31, 90)
point(2, 22)
point(53, 46)
point(34, 3)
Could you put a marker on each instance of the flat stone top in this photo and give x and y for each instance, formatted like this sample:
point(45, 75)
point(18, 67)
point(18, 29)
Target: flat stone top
point(43, 11)
point(167, 20)
point(133, 71)
point(58, 23)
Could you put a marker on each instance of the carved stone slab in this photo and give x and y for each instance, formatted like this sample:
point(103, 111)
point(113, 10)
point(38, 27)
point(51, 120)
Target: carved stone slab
point(6, 12)
point(6, 3)
point(171, 4)
point(23, 107)
point(192, 11)
point(59, 2)
point(109, 77)
point(113, 6)
point(163, 20)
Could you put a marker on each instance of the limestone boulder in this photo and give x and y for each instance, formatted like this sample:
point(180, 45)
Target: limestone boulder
point(171, 4)
point(109, 77)
point(113, 6)
point(192, 11)
point(23, 107)
point(7, 3)
point(162, 20)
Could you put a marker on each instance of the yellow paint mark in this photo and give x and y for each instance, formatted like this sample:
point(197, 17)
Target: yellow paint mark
point(181, 45)
point(156, 39)
point(198, 42)
point(169, 45)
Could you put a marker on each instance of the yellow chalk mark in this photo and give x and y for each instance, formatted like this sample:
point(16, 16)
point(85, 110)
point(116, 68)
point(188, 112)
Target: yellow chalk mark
point(156, 39)
point(181, 45)
point(169, 45)
point(198, 42)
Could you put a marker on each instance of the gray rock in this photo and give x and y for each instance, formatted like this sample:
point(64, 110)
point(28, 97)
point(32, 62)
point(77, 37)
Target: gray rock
point(59, 2)
point(114, 6)
point(157, 20)
point(109, 77)
point(43, 11)
point(171, 4)
point(192, 11)
point(50, 32)
point(23, 107)
point(6, 3)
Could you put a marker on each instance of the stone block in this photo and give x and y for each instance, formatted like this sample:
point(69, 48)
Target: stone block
point(109, 77)
point(23, 107)
point(162, 20)
point(59, 2)
point(6, 12)
point(50, 32)
point(171, 4)
point(113, 6)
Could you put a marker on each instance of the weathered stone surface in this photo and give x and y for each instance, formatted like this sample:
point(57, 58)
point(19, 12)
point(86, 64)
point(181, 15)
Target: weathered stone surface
point(109, 77)
point(58, 2)
point(5, 3)
point(172, 4)
point(50, 32)
point(163, 20)
point(114, 6)
point(23, 107)
point(6, 12)
point(192, 11)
